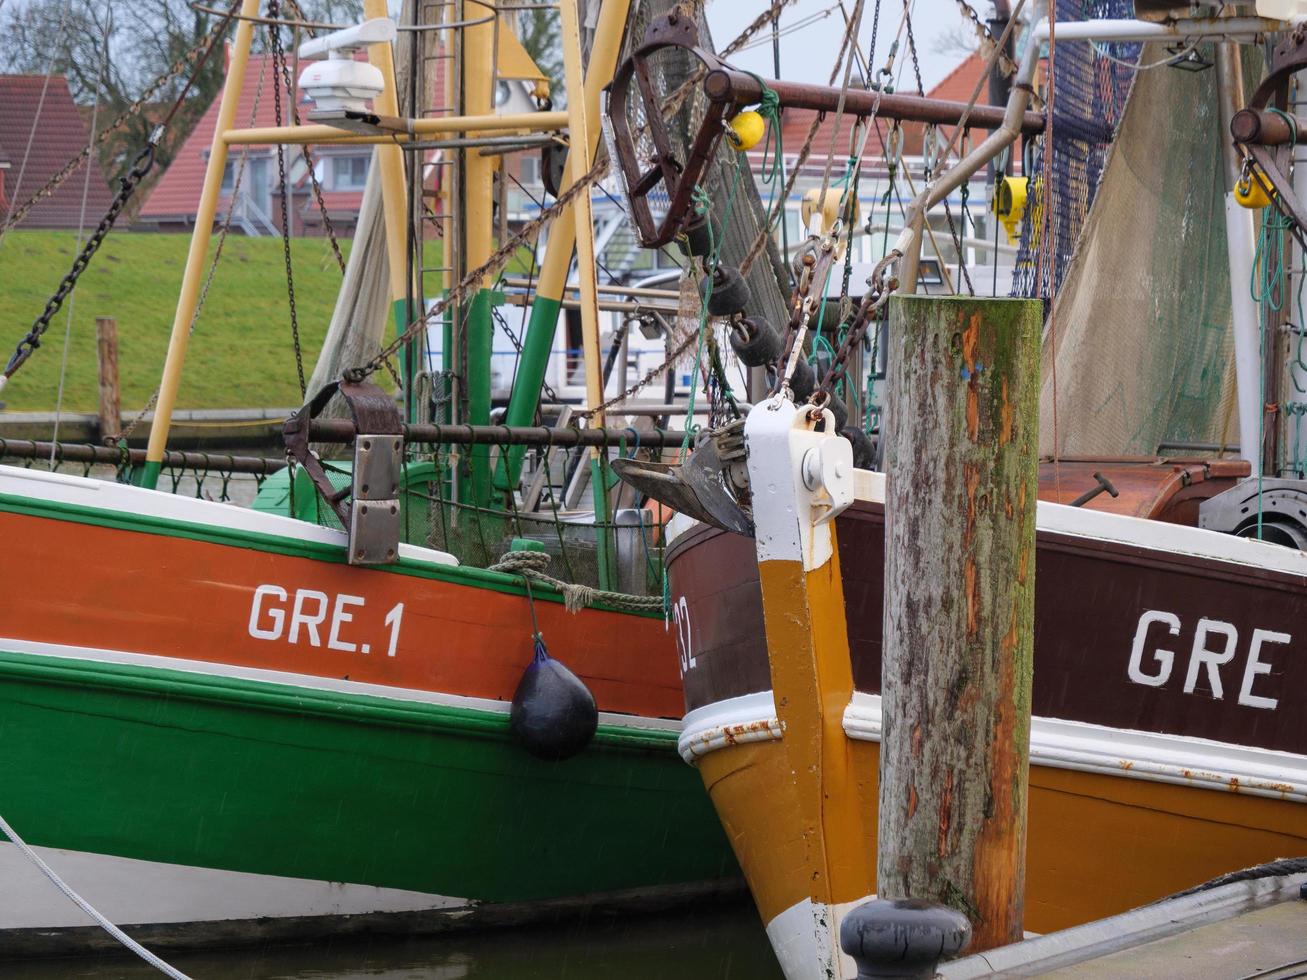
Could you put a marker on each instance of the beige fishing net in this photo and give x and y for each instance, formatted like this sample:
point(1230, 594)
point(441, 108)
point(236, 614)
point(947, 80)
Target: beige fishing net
point(1142, 320)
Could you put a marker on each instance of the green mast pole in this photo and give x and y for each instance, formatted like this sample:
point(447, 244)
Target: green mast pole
point(543, 323)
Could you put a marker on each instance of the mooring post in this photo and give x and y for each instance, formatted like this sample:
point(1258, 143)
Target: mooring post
point(106, 341)
point(961, 477)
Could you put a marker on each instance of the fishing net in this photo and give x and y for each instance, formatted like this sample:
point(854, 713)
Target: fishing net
point(1091, 84)
point(1143, 341)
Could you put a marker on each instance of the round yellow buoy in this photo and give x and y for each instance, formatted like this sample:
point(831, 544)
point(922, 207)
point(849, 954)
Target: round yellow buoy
point(747, 130)
point(1252, 191)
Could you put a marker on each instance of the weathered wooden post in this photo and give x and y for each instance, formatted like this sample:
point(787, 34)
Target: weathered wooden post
point(961, 464)
point(106, 340)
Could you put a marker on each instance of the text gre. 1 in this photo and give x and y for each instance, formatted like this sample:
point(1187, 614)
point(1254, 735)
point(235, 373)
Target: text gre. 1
point(310, 615)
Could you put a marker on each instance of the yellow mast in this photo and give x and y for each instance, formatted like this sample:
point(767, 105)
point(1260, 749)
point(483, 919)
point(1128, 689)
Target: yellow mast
point(205, 213)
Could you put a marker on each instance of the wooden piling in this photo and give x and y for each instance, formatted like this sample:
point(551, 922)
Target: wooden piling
point(961, 461)
point(106, 340)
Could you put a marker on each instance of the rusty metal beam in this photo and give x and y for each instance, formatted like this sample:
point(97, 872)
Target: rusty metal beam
point(740, 89)
point(342, 431)
point(1264, 127)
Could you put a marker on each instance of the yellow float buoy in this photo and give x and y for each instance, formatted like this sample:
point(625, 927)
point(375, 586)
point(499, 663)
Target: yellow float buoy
point(747, 130)
point(1252, 191)
point(1009, 204)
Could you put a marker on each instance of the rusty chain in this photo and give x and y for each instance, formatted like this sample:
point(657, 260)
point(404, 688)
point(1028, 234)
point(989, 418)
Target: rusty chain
point(988, 42)
point(313, 174)
point(278, 63)
point(127, 186)
point(868, 312)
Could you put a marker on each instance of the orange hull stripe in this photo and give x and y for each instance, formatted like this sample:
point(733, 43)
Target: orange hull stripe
point(173, 597)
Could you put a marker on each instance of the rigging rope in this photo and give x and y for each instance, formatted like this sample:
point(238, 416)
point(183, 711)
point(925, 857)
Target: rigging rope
point(81, 229)
point(86, 906)
point(531, 565)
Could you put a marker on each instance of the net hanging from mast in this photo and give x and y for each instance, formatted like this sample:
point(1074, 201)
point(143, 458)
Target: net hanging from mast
point(1090, 89)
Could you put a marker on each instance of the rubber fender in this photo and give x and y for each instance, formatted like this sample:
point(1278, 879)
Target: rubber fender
point(755, 341)
point(802, 381)
point(730, 293)
point(700, 236)
point(553, 164)
point(864, 453)
point(837, 408)
point(553, 714)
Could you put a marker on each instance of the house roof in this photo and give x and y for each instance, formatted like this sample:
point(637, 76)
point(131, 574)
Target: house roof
point(177, 193)
point(57, 135)
point(956, 86)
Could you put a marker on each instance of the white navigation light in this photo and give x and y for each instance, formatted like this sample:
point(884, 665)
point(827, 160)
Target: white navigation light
point(341, 83)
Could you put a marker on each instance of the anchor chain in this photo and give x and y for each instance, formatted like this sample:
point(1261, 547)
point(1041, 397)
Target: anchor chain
point(141, 166)
point(278, 66)
point(868, 313)
point(987, 40)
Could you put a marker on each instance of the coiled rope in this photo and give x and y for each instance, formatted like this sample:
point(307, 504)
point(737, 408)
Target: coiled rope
point(532, 564)
point(85, 906)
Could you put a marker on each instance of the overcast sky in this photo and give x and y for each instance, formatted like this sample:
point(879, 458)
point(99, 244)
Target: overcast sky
point(816, 26)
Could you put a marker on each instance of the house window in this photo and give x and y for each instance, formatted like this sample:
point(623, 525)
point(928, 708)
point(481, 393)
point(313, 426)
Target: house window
point(228, 178)
point(530, 171)
point(349, 173)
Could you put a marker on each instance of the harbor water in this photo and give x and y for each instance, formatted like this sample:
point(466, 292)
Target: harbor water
point(705, 944)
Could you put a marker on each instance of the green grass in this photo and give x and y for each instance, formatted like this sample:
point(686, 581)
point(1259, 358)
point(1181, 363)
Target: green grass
point(240, 354)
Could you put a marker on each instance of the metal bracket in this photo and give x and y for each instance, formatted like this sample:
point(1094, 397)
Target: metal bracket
point(371, 517)
point(712, 485)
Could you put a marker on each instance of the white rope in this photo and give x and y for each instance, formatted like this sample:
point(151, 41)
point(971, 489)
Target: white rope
point(85, 906)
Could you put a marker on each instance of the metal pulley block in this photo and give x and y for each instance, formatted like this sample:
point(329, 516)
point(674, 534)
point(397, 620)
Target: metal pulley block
point(371, 517)
point(662, 167)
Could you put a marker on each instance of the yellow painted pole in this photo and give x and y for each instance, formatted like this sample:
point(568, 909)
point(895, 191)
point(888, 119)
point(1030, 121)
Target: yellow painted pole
point(578, 159)
point(194, 273)
point(509, 124)
point(552, 281)
point(390, 159)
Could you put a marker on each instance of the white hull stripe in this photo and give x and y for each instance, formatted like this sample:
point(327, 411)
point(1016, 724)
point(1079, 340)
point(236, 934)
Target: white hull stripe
point(130, 891)
point(333, 684)
point(1137, 532)
point(1054, 743)
point(118, 498)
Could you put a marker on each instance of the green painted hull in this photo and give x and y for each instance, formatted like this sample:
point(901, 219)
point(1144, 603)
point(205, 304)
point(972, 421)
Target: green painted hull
point(216, 772)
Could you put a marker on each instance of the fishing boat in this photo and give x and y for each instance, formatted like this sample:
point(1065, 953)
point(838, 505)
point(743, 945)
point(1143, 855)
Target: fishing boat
point(1163, 747)
point(323, 713)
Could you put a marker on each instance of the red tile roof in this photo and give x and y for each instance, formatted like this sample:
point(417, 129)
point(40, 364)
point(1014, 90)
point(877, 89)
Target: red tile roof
point(177, 192)
point(58, 136)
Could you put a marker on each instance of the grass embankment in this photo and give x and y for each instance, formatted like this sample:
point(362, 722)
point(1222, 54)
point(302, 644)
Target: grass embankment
point(240, 354)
